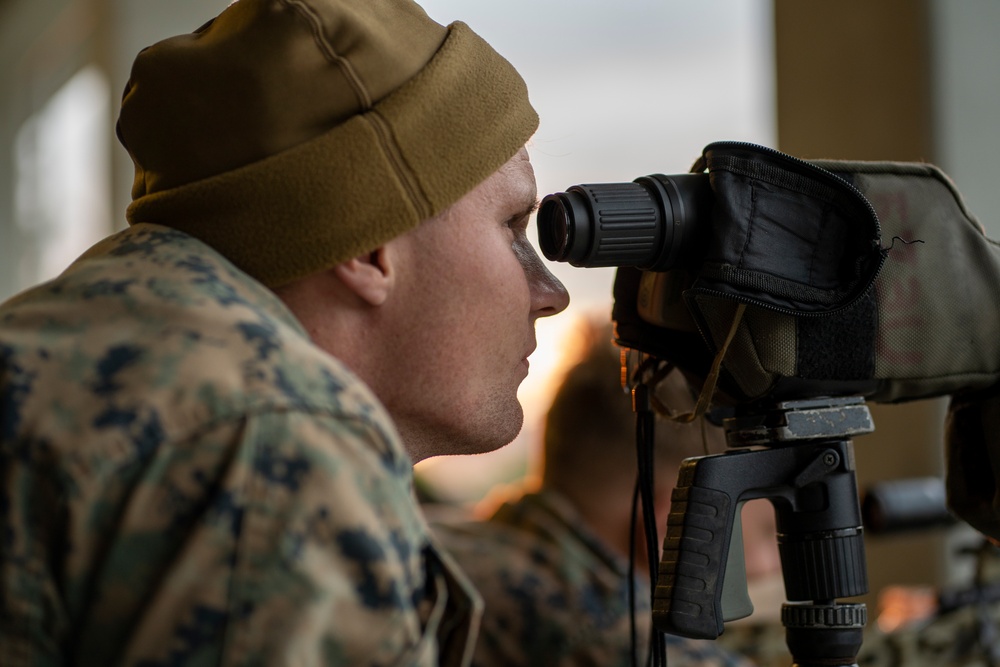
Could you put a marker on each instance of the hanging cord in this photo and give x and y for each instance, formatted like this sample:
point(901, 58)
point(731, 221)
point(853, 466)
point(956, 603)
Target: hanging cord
point(652, 370)
point(633, 634)
point(644, 437)
point(644, 403)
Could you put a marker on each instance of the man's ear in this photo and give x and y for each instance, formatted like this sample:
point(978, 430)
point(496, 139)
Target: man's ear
point(369, 276)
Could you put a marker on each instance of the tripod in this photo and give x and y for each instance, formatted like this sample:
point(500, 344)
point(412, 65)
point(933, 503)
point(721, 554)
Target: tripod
point(798, 455)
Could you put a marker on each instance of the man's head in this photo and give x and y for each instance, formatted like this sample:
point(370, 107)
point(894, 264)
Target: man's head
point(439, 321)
point(590, 458)
point(368, 165)
point(589, 436)
point(292, 135)
point(589, 450)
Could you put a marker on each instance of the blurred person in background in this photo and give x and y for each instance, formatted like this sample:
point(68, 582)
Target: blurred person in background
point(552, 560)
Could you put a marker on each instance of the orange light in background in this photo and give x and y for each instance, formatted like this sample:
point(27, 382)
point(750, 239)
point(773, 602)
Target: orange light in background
point(900, 606)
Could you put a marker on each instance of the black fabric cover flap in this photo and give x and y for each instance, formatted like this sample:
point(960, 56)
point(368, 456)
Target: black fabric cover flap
point(786, 234)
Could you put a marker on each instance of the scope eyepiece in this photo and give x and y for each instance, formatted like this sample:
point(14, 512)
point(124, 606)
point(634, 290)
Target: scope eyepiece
point(649, 223)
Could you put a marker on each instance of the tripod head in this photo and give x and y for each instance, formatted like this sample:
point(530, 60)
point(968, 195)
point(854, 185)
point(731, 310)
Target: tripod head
point(799, 456)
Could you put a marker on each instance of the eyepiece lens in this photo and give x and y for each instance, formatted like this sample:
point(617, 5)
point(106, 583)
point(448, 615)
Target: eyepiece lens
point(553, 228)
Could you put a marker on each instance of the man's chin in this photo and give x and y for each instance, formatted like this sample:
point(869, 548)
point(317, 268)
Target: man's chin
point(490, 439)
point(481, 437)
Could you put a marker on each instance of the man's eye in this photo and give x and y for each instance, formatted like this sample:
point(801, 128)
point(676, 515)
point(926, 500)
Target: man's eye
point(518, 223)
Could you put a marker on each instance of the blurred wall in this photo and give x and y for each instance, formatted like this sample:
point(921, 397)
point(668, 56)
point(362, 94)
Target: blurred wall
point(896, 80)
point(965, 70)
point(853, 79)
point(63, 65)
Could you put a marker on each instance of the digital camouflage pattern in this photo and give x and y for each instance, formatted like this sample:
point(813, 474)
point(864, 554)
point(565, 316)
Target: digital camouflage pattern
point(763, 643)
point(963, 631)
point(554, 594)
point(186, 479)
point(965, 637)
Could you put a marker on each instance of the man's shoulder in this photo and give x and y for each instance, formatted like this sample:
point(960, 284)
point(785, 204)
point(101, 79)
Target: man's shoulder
point(152, 324)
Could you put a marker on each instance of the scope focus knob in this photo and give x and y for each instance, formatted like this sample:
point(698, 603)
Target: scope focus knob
point(801, 615)
point(604, 224)
point(824, 634)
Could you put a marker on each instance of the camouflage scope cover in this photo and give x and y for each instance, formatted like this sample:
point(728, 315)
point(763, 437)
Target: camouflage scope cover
point(848, 272)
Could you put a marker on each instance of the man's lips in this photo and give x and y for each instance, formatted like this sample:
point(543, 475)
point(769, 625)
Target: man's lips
point(528, 354)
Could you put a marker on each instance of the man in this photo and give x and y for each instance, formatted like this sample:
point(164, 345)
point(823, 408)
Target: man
point(208, 421)
point(552, 563)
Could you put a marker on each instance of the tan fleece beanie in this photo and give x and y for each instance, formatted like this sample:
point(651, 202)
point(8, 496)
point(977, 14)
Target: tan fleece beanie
point(292, 135)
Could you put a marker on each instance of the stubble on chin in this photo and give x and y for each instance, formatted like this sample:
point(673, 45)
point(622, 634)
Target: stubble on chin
point(487, 429)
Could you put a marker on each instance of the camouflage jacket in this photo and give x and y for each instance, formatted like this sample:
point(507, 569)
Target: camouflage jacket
point(959, 627)
point(186, 479)
point(964, 637)
point(554, 594)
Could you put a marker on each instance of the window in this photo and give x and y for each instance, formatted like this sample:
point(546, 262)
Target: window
point(61, 172)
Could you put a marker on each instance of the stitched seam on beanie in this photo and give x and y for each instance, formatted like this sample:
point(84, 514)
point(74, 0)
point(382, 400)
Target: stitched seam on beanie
point(399, 165)
point(328, 51)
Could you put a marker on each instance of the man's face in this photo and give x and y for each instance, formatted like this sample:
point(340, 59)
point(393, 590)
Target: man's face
point(468, 290)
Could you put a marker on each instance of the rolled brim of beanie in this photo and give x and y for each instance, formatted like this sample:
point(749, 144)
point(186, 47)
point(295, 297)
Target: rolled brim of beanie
point(368, 180)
